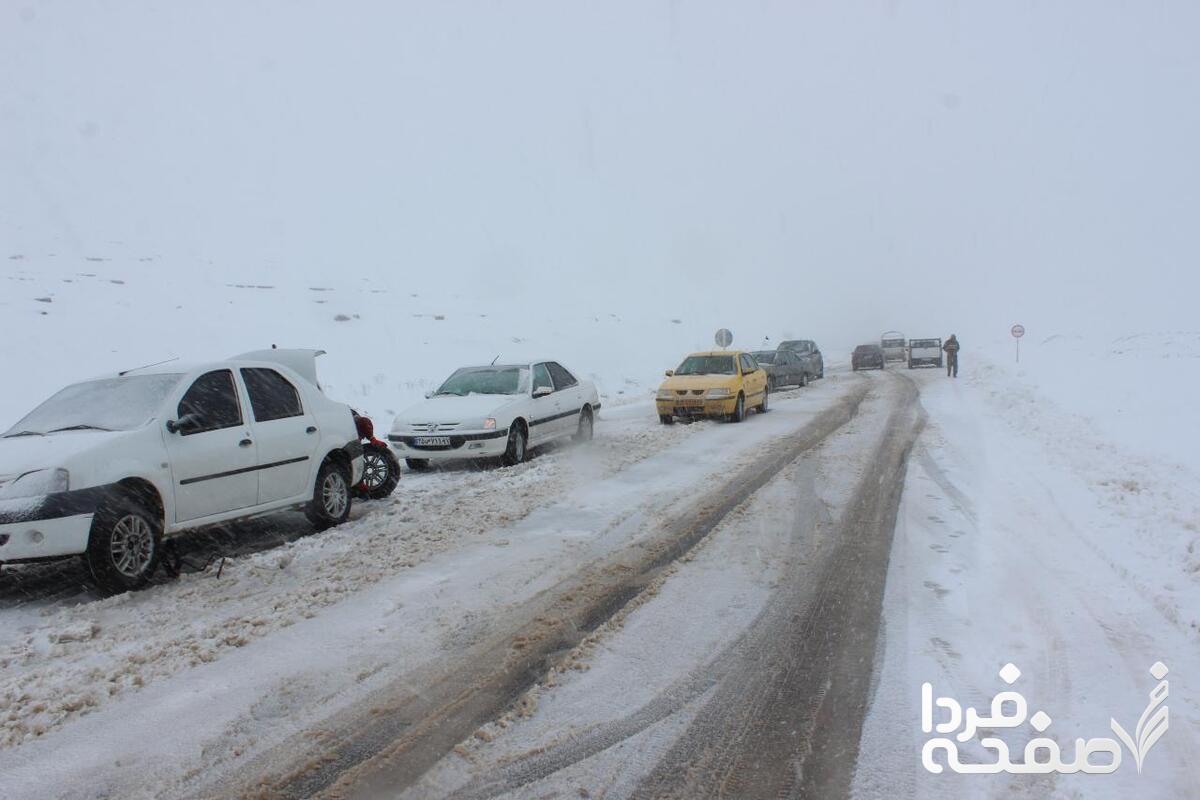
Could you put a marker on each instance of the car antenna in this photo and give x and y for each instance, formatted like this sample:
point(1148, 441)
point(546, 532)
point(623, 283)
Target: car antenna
point(147, 366)
point(494, 360)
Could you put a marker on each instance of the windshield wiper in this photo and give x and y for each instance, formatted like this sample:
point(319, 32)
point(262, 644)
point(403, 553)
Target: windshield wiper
point(23, 433)
point(84, 427)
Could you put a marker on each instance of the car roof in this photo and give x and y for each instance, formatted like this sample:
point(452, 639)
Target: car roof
point(716, 353)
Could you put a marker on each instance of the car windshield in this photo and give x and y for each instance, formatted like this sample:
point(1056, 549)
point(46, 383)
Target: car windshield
point(866, 348)
point(893, 343)
point(926, 342)
point(764, 357)
point(111, 404)
point(486, 380)
point(707, 365)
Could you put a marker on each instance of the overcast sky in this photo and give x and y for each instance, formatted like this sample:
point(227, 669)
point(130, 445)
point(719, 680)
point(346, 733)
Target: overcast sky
point(854, 166)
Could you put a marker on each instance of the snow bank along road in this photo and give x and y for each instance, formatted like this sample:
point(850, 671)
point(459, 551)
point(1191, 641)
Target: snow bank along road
point(361, 658)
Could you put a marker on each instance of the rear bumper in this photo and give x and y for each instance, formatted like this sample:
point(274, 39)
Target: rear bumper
point(45, 538)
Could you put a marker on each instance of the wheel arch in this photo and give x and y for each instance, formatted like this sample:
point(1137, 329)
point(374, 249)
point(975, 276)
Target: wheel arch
point(145, 494)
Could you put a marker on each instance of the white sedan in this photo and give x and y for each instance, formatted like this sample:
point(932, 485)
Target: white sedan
point(500, 410)
point(108, 467)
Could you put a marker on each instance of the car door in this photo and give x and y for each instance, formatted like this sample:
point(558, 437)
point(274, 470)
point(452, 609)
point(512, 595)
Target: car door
point(754, 379)
point(212, 455)
point(785, 369)
point(285, 432)
point(571, 401)
point(544, 423)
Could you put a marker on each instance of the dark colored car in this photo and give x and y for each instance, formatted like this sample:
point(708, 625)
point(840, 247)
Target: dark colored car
point(867, 356)
point(784, 368)
point(809, 354)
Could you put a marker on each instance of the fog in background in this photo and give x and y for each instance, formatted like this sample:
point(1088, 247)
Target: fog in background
point(819, 169)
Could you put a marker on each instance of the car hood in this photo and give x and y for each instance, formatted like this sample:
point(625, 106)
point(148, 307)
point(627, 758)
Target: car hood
point(452, 408)
point(20, 454)
point(677, 382)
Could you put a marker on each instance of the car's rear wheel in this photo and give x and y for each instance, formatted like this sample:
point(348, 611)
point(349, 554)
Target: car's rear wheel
point(125, 545)
point(517, 442)
point(417, 464)
point(762, 407)
point(666, 419)
point(330, 505)
point(586, 429)
point(739, 409)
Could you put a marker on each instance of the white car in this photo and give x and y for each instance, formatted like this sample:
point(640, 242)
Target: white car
point(108, 467)
point(496, 411)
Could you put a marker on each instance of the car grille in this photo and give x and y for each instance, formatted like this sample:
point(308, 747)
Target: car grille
point(434, 427)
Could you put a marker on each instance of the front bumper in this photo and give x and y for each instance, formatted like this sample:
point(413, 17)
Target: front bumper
point(468, 444)
point(45, 538)
point(696, 408)
point(925, 362)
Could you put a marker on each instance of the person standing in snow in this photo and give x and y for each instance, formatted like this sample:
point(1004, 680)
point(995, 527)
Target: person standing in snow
point(951, 348)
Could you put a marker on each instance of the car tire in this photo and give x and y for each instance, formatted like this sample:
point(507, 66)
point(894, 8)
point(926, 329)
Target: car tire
point(417, 464)
point(803, 379)
point(518, 442)
point(124, 547)
point(587, 426)
point(381, 473)
point(771, 384)
point(330, 505)
point(763, 407)
point(666, 419)
point(739, 409)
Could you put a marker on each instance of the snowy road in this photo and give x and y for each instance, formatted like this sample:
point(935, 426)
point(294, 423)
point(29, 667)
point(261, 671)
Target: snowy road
point(703, 610)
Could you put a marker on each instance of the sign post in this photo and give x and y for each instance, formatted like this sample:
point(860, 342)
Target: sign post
point(1018, 331)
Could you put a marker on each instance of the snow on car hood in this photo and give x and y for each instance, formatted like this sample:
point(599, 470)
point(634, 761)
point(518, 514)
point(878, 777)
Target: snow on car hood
point(452, 408)
point(20, 454)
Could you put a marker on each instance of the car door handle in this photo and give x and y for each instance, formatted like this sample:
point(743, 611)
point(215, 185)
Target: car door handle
point(311, 429)
point(245, 443)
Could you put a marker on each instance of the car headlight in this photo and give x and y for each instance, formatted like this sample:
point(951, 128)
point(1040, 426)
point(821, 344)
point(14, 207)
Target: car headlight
point(36, 483)
point(665, 394)
point(716, 394)
point(489, 424)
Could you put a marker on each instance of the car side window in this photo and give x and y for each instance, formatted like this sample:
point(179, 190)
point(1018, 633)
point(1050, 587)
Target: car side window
point(541, 377)
point(748, 364)
point(211, 403)
point(562, 378)
point(272, 396)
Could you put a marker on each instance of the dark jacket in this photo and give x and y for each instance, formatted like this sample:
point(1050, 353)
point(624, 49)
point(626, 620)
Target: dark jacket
point(951, 345)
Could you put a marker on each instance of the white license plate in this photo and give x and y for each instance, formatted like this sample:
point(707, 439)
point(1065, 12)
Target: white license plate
point(432, 441)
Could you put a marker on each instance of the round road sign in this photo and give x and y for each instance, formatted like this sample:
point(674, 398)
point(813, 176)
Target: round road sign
point(1018, 331)
point(724, 337)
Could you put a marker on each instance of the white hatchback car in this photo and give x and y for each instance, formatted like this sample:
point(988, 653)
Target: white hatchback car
point(108, 467)
point(496, 411)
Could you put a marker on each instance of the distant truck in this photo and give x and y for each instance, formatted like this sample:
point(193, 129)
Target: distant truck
point(893, 345)
point(924, 353)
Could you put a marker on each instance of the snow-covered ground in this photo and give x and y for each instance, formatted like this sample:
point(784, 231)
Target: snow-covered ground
point(1042, 525)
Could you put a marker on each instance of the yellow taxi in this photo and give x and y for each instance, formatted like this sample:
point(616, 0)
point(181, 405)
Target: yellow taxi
point(720, 383)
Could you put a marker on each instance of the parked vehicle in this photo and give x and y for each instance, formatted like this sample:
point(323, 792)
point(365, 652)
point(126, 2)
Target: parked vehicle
point(894, 346)
point(496, 411)
point(809, 354)
point(924, 353)
point(713, 384)
point(783, 367)
point(108, 467)
point(867, 356)
point(381, 468)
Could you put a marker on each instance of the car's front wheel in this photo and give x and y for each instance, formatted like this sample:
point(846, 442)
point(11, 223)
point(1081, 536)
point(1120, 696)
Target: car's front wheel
point(330, 505)
point(514, 453)
point(803, 380)
point(124, 547)
point(666, 419)
point(739, 409)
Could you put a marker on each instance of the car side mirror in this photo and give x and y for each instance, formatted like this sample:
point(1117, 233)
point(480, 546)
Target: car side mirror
point(542, 391)
point(669, 373)
point(186, 423)
point(428, 395)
